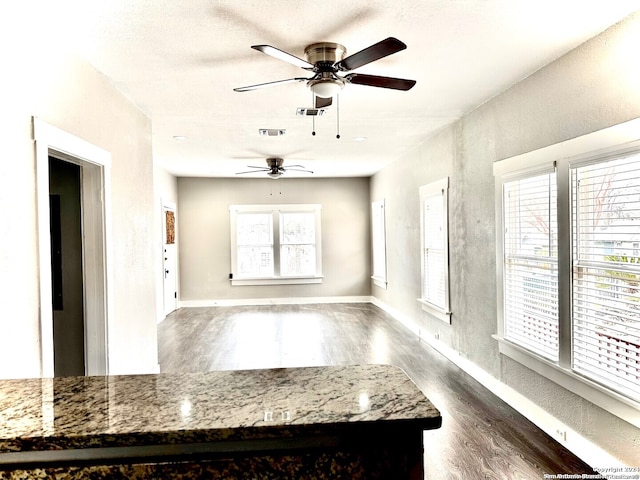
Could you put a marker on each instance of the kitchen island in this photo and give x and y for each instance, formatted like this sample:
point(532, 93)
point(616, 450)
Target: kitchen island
point(355, 422)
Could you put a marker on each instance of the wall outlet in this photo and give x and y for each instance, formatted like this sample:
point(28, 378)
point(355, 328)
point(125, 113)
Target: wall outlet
point(437, 336)
point(562, 434)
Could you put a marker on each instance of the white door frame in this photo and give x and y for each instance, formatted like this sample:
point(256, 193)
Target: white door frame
point(169, 205)
point(95, 166)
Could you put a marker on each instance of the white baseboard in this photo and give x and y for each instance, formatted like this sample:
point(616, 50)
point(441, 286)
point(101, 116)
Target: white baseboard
point(273, 301)
point(580, 446)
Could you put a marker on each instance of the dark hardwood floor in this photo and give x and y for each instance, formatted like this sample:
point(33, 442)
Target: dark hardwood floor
point(481, 436)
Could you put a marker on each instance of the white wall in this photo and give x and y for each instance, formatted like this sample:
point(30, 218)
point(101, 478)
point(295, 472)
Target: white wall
point(203, 213)
point(39, 79)
point(592, 87)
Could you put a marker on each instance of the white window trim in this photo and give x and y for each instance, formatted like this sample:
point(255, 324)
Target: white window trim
point(275, 209)
point(608, 142)
point(436, 188)
point(379, 280)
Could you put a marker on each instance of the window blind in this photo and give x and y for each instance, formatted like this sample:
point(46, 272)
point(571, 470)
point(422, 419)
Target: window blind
point(530, 264)
point(606, 273)
point(378, 237)
point(434, 261)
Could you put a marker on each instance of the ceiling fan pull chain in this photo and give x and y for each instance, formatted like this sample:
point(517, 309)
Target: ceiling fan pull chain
point(313, 119)
point(338, 115)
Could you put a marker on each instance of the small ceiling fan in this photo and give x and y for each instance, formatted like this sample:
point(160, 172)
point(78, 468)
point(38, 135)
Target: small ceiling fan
point(275, 169)
point(326, 60)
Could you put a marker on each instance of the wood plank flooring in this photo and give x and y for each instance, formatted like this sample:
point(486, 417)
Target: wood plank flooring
point(481, 436)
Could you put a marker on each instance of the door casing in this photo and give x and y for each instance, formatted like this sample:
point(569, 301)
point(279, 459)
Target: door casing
point(169, 263)
point(95, 164)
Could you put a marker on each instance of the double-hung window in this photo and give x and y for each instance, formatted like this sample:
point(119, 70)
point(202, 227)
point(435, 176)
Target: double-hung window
point(275, 244)
point(434, 242)
point(569, 269)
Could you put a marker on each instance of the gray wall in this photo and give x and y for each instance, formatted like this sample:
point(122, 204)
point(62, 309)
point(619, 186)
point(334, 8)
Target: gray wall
point(203, 220)
point(66, 92)
point(593, 87)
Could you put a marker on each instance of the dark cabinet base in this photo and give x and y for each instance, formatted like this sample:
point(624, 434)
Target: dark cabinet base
point(394, 460)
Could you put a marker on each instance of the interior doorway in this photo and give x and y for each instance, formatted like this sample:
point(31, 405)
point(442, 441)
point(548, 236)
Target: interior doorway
point(67, 283)
point(92, 167)
point(170, 257)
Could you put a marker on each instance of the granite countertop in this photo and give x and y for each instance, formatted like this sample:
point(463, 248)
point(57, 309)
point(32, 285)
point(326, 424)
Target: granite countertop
point(131, 410)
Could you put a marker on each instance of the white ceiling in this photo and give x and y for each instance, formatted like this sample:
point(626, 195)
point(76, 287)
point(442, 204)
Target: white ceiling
point(180, 60)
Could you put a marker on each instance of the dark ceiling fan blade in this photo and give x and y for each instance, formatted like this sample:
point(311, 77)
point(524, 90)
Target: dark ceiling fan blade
point(270, 84)
point(299, 170)
point(284, 56)
point(374, 52)
point(377, 81)
point(323, 102)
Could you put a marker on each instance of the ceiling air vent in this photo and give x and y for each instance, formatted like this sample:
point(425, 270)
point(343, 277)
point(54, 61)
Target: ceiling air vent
point(310, 112)
point(272, 132)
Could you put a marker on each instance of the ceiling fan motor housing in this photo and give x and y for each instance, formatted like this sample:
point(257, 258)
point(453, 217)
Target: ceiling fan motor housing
point(274, 162)
point(323, 56)
point(325, 52)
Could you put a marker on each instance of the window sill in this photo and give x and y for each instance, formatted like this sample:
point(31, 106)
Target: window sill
point(436, 312)
point(276, 281)
point(379, 282)
point(609, 400)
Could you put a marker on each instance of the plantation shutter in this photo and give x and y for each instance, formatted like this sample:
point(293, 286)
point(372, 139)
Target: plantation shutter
point(531, 264)
point(606, 273)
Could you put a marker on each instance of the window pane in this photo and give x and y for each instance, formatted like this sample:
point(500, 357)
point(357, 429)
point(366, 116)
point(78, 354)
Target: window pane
point(530, 264)
point(434, 254)
point(378, 240)
point(254, 244)
point(297, 248)
point(433, 219)
point(254, 261)
point(433, 286)
point(254, 229)
point(606, 273)
point(297, 260)
point(298, 228)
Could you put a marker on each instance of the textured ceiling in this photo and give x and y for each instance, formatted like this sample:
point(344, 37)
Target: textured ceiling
point(180, 60)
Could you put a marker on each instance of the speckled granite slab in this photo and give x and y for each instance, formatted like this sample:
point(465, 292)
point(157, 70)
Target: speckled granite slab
point(80, 412)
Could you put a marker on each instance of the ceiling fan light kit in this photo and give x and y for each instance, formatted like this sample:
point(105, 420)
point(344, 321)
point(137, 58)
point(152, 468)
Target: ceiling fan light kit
point(326, 87)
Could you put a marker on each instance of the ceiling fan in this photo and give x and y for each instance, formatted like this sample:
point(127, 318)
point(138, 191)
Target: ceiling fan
point(274, 168)
point(326, 60)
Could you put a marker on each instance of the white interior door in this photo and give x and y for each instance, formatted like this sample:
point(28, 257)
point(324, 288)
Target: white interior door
point(169, 256)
